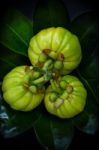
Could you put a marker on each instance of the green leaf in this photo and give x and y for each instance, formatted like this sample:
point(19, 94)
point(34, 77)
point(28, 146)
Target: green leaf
point(52, 133)
point(50, 13)
point(16, 31)
point(9, 60)
point(88, 121)
point(13, 122)
point(86, 27)
point(90, 71)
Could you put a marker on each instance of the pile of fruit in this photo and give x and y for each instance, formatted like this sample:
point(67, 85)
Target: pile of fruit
point(54, 53)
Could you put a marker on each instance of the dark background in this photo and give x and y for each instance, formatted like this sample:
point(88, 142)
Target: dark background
point(28, 139)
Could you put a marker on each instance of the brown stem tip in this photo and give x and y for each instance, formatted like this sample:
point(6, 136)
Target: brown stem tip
point(46, 51)
point(69, 89)
point(61, 57)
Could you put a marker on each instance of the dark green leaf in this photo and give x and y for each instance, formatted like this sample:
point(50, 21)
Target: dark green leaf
point(15, 122)
point(52, 133)
point(50, 13)
point(15, 34)
point(88, 121)
point(5, 67)
point(92, 63)
point(86, 27)
point(90, 71)
point(94, 83)
point(9, 60)
point(16, 31)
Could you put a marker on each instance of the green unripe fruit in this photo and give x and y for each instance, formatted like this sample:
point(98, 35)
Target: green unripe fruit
point(57, 44)
point(19, 90)
point(65, 97)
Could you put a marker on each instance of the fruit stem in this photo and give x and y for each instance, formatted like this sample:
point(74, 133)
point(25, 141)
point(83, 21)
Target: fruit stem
point(39, 80)
point(43, 79)
point(58, 65)
point(33, 89)
point(53, 97)
point(42, 57)
point(64, 95)
point(36, 75)
point(58, 102)
point(53, 55)
point(63, 84)
point(69, 89)
point(55, 86)
point(48, 65)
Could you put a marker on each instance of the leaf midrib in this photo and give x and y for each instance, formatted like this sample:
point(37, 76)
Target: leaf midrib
point(26, 44)
point(50, 124)
point(89, 86)
point(87, 31)
point(93, 79)
point(52, 133)
point(18, 35)
point(12, 49)
point(8, 62)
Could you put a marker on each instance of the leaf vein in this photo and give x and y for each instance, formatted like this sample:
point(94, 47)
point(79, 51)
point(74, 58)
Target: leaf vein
point(15, 51)
point(17, 35)
point(89, 86)
point(87, 31)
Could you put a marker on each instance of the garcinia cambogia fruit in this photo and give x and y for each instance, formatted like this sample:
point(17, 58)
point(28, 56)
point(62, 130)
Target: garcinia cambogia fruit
point(55, 49)
point(23, 89)
point(65, 97)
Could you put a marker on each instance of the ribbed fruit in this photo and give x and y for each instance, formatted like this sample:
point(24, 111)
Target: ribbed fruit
point(65, 97)
point(55, 49)
point(19, 91)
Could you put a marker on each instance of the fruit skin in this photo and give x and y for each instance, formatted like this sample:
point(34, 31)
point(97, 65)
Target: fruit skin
point(65, 97)
point(18, 91)
point(57, 44)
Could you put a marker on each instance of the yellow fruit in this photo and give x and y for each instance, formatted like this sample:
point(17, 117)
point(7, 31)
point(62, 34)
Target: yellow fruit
point(19, 90)
point(65, 97)
point(58, 46)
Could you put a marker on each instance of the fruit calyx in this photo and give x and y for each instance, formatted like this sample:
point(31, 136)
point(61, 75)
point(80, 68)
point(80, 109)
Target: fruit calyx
point(35, 79)
point(61, 90)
